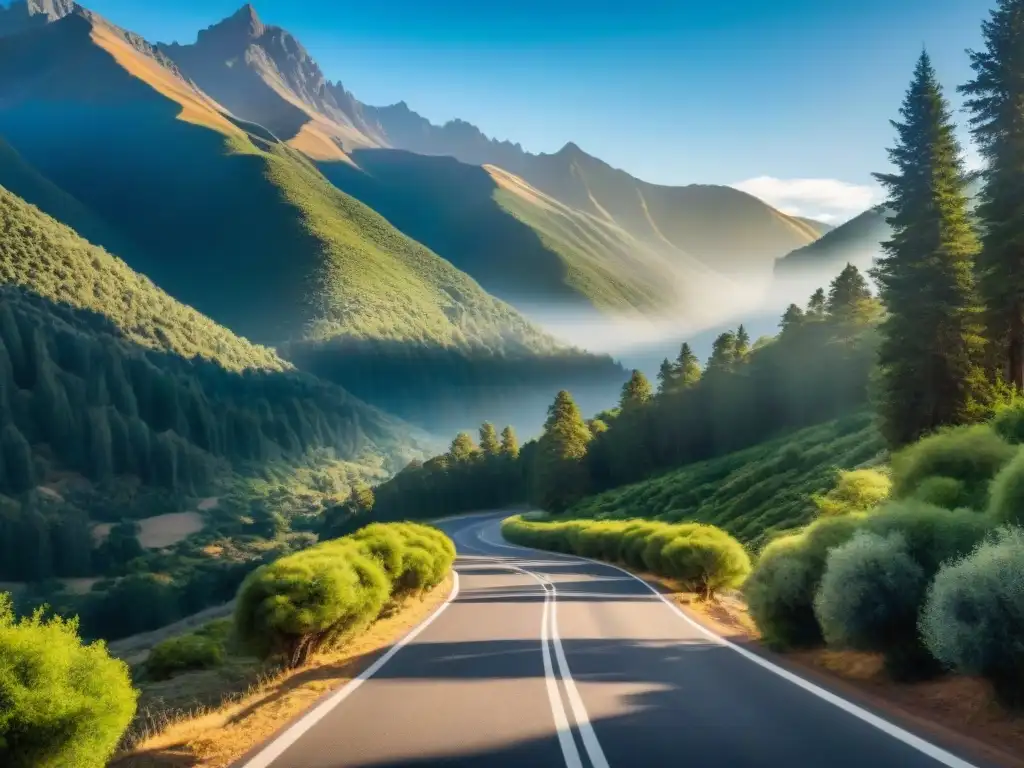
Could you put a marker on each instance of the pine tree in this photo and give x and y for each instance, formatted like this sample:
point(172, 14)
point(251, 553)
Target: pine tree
point(849, 298)
point(560, 475)
point(723, 352)
point(930, 351)
point(816, 305)
point(666, 377)
point(792, 318)
point(742, 347)
point(687, 367)
point(995, 96)
point(489, 439)
point(509, 443)
point(636, 392)
point(462, 448)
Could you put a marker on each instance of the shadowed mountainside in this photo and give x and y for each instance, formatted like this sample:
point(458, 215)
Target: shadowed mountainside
point(230, 220)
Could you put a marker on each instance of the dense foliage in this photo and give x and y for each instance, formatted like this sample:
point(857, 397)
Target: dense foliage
point(701, 558)
point(312, 600)
point(974, 615)
point(64, 703)
point(815, 369)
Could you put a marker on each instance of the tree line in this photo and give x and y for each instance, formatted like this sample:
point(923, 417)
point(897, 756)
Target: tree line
point(816, 368)
point(75, 397)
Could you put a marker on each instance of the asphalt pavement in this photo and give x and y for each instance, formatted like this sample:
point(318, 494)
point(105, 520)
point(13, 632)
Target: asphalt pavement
point(550, 660)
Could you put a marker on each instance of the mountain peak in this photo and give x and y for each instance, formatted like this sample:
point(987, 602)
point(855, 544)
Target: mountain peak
point(570, 148)
point(238, 29)
point(27, 14)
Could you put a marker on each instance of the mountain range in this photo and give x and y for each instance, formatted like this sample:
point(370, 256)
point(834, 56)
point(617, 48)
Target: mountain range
point(415, 265)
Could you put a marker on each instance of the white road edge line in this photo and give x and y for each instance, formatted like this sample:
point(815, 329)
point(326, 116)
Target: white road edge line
point(927, 748)
point(300, 727)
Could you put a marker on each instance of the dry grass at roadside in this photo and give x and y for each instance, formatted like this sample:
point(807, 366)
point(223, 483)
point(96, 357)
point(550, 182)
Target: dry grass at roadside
point(957, 708)
point(215, 737)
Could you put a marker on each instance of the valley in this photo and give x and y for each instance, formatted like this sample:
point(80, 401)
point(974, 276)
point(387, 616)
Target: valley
point(313, 413)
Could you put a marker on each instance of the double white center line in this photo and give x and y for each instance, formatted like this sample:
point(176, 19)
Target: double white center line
point(549, 639)
point(549, 635)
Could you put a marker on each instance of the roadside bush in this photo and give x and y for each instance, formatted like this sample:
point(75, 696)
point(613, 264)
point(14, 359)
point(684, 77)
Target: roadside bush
point(309, 601)
point(945, 492)
point(64, 704)
point(972, 455)
point(384, 544)
point(1008, 422)
point(703, 558)
point(635, 541)
point(973, 619)
point(654, 547)
point(857, 490)
point(184, 653)
point(706, 560)
point(781, 589)
point(932, 535)
point(427, 558)
point(1007, 493)
point(869, 600)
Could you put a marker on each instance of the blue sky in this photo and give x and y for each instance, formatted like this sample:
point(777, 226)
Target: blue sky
point(792, 97)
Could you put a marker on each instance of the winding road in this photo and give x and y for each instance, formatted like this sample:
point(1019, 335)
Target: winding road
point(541, 659)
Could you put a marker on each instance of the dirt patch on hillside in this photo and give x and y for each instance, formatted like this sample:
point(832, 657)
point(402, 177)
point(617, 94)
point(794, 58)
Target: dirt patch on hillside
point(159, 531)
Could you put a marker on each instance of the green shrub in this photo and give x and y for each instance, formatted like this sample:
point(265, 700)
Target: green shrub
point(64, 704)
point(428, 556)
point(1007, 492)
point(309, 601)
point(870, 598)
point(932, 535)
point(973, 619)
point(945, 492)
point(635, 541)
point(857, 490)
point(1008, 422)
point(702, 557)
point(706, 560)
point(184, 653)
point(383, 544)
point(972, 455)
point(655, 544)
point(781, 589)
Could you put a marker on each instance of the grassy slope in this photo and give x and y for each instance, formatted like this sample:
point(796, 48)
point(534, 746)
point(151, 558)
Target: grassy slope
point(236, 226)
point(519, 244)
point(50, 259)
point(858, 240)
point(753, 494)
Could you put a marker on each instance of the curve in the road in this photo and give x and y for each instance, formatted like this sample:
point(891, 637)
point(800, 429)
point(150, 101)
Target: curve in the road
point(468, 689)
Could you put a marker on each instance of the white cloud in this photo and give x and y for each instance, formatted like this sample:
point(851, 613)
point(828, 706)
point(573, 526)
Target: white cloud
point(828, 200)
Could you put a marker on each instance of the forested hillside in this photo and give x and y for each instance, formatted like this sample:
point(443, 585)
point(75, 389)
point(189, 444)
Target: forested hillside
point(816, 369)
point(118, 405)
point(228, 219)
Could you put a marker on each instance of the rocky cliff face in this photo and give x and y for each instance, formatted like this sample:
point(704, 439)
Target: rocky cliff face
point(23, 15)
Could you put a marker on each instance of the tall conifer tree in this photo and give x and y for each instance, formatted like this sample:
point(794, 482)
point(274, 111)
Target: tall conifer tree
point(930, 352)
point(995, 97)
point(489, 439)
point(560, 474)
